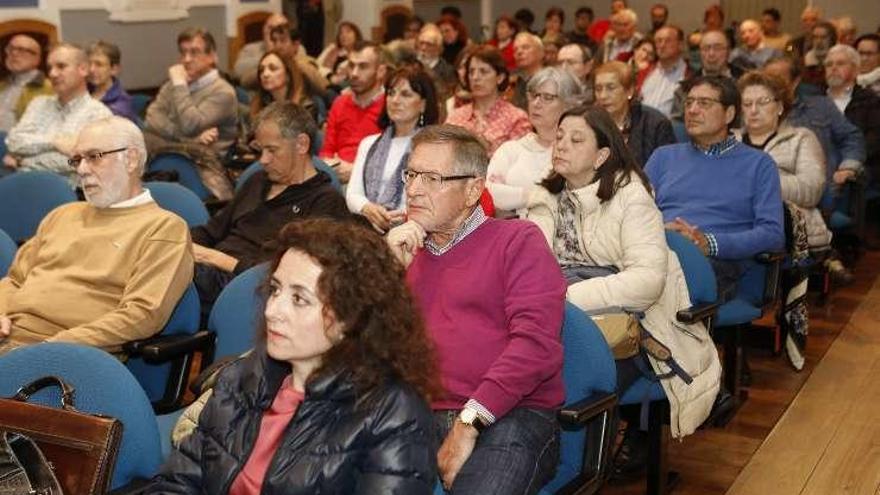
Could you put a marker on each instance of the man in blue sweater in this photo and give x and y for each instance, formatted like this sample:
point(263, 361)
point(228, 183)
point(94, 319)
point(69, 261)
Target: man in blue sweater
point(722, 195)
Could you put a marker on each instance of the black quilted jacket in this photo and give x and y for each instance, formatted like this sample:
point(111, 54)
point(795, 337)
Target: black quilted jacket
point(334, 445)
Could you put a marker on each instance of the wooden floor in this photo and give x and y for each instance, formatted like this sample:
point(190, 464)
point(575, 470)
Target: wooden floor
point(828, 442)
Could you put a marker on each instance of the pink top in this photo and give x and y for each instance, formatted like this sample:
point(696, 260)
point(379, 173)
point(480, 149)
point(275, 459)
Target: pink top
point(275, 420)
point(503, 122)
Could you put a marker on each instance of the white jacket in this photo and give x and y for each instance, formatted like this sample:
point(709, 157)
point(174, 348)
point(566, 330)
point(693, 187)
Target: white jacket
point(628, 232)
point(801, 164)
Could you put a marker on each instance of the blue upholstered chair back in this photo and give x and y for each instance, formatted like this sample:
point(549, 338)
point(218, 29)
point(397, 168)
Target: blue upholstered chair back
point(234, 315)
point(186, 172)
point(184, 320)
point(8, 248)
point(179, 200)
point(103, 386)
point(26, 198)
point(588, 367)
point(697, 271)
point(317, 162)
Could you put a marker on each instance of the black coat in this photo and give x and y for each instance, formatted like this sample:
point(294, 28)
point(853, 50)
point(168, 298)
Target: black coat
point(863, 110)
point(333, 445)
point(649, 130)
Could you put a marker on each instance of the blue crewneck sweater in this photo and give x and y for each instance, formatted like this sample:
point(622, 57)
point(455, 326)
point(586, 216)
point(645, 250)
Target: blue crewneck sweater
point(735, 196)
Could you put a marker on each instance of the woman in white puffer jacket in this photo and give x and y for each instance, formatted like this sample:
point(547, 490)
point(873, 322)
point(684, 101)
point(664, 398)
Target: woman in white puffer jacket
point(596, 209)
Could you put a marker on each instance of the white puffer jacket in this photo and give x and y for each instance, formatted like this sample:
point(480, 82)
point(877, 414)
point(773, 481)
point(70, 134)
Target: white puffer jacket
point(628, 232)
point(801, 163)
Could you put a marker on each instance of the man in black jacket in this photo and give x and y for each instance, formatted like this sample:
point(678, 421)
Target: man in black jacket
point(288, 188)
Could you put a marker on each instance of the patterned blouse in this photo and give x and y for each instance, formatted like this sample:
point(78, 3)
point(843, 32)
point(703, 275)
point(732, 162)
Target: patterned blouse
point(503, 122)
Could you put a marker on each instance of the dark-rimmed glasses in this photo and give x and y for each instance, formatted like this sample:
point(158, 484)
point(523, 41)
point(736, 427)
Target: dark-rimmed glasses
point(92, 156)
point(430, 179)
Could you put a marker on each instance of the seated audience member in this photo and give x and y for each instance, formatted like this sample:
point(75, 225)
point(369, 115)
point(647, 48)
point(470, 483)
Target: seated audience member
point(430, 45)
point(554, 20)
point(578, 61)
point(411, 32)
point(195, 112)
point(583, 18)
point(800, 45)
point(771, 19)
point(868, 46)
point(455, 37)
point(644, 55)
point(23, 82)
point(597, 214)
point(355, 115)
point(713, 20)
point(348, 35)
point(518, 166)
point(528, 50)
point(333, 398)
point(248, 60)
point(46, 133)
point(846, 30)
point(657, 84)
point(101, 272)
point(796, 151)
point(842, 142)
point(824, 37)
point(659, 17)
point(486, 284)
point(288, 188)
point(506, 30)
point(621, 44)
point(644, 128)
point(860, 106)
point(714, 54)
point(721, 194)
point(461, 96)
point(489, 115)
point(280, 80)
point(288, 42)
point(103, 81)
point(753, 53)
point(376, 186)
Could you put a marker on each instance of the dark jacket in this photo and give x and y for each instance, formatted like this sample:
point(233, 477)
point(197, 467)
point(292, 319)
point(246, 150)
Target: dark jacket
point(118, 101)
point(863, 110)
point(336, 443)
point(242, 228)
point(649, 130)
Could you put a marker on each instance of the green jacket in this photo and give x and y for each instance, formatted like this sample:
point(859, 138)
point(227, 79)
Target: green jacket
point(39, 86)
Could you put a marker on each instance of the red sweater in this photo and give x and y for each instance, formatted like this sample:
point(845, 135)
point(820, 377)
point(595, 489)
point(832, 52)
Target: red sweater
point(493, 305)
point(347, 124)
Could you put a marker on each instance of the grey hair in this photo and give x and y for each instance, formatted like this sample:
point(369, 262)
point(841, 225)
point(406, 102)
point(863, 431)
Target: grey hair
point(534, 38)
point(468, 151)
point(567, 87)
point(432, 30)
point(628, 15)
point(291, 119)
point(847, 50)
point(130, 135)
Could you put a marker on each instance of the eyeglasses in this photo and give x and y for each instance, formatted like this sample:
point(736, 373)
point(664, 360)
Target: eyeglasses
point(545, 97)
point(759, 103)
point(91, 157)
point(192, 52)
point(702, 102)
point(430, 179)
point(19, 50)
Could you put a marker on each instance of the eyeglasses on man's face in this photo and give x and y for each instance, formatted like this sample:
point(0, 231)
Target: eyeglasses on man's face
point(702, 102)
point(91, 157)
point(19, 50)
point(430, 179)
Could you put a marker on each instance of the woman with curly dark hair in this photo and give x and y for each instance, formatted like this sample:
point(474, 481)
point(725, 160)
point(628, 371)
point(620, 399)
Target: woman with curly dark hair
point(333, 398)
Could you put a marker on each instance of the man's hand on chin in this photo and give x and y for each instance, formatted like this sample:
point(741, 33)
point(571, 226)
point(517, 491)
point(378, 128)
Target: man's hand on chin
point(405, 241)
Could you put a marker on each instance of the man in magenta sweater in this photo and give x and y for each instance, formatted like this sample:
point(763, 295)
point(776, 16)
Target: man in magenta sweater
point(355, 115)
point(492, 297)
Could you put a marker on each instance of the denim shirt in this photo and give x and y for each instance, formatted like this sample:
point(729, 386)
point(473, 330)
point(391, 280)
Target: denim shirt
point(841, 140)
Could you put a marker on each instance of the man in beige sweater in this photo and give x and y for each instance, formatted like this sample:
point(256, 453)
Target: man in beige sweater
point(196, 111)
point(101, 272)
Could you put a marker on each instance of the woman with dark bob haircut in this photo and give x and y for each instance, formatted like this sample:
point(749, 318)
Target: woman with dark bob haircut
point(333, 399)
point(599, 217)
point(376, 186)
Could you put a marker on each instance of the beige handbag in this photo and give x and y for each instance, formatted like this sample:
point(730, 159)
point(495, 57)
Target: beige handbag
point(622, 331)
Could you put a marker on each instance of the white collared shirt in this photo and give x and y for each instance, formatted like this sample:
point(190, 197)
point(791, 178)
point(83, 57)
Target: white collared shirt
point(843, 100)
point(658, 90)
point(141, 199)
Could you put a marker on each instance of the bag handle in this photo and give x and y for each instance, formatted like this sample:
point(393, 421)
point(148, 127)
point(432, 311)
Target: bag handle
point(67, 390)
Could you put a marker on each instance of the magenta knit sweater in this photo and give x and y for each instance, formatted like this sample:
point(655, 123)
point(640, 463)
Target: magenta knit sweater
point(493, 306)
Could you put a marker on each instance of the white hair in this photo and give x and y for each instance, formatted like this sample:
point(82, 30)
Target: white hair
point(628, 15)
point(846, 50)
point(128, 133)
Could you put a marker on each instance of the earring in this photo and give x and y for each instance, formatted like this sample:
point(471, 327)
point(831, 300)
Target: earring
point(422, 120)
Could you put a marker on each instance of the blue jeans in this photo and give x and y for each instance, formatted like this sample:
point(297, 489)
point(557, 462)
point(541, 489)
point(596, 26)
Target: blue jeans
point(517, 454)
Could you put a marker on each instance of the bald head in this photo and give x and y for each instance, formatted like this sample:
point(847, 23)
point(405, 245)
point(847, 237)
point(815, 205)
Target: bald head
point(22, 54)
point(751, 34)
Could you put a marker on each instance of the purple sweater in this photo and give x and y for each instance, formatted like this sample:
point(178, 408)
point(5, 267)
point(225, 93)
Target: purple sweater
point(493, 306)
